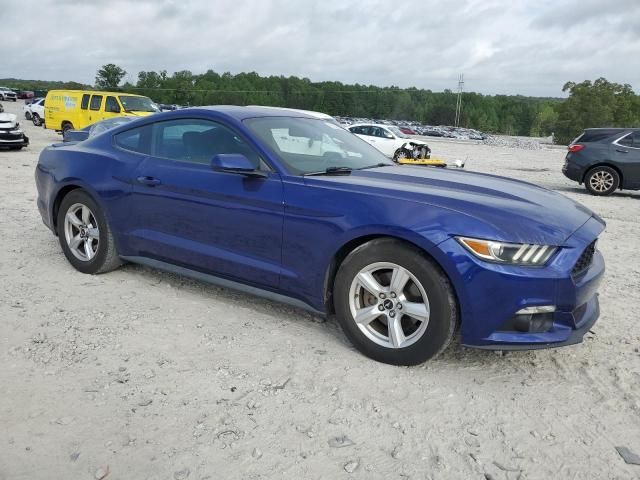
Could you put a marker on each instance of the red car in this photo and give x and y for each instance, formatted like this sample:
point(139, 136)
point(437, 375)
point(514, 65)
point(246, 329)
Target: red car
point(26, 94)
point(407, 131)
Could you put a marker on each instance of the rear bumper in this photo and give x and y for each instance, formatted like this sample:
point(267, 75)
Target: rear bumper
point(573, 172)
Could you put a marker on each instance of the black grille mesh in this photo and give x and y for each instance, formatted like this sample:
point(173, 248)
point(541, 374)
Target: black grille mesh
point(585, 259)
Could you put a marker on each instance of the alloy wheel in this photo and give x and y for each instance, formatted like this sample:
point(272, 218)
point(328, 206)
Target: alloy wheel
point(601, 181)
point(81, 232)
point(389, 305)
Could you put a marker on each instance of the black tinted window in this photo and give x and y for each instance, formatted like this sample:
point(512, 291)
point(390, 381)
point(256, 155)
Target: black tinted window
point(111, 105)
point(198, 141)
point(636, 139)
point(626, 141)
point(136, 140)
point(96, 101)
point(594, 136)
point(85, 101)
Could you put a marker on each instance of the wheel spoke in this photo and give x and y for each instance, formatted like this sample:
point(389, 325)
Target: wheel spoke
point(370, 283)
point(75, 242)
point(93, 233)
point(75, 221)
point(86, 213)
point(416, 310)
point(399, 280)
point(396, 334)
point(366, 315)
point(88, 251)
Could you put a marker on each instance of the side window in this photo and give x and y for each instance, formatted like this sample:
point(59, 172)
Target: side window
point(357, 130)
point(385, 133)
point(96, 101)
point(627, 141)
point(135, 140)
point(636, 139)
point(85, 101)
point(198, 141)
point(111, 105)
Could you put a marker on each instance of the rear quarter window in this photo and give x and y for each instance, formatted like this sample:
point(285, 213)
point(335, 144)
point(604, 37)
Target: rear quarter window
point(135, 140)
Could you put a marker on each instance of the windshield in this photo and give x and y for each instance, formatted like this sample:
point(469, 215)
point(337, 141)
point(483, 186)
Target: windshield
point(397, 132)
point(136, 104)
point(103, 126)
point(306, 145)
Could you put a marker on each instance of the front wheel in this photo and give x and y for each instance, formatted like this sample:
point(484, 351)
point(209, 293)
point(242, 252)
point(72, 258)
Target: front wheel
point(602, 181)
point(84, 234)
point(394, 304)
point(37, 121)
point(400, 154)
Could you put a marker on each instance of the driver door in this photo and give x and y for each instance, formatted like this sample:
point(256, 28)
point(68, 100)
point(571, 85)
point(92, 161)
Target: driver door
point(216, 222)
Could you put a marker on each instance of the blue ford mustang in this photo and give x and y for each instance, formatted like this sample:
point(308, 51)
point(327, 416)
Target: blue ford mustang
point(297, 209)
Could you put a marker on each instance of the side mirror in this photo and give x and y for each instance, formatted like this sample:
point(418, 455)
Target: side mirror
point(235, 163)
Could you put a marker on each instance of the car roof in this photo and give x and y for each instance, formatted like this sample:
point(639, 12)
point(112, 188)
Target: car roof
point(241, 113)
point(612, 129)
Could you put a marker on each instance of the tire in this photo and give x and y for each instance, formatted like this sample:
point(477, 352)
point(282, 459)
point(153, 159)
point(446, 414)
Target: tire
point(27, 116)
point(37, 121)
point(398, 155)
point(67, 126)
point(103, 256)
point(601, 181)
point(426, 289)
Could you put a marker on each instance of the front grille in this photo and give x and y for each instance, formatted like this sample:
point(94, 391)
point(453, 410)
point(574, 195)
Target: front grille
point(585, 259)
point(10, 136)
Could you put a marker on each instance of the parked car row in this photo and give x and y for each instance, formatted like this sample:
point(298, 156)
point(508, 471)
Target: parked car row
point(416, 128)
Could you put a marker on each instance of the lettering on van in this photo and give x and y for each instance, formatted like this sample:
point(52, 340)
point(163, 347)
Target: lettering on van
point(69, 102)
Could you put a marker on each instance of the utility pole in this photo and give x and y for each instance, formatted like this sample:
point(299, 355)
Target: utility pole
point(459, 100)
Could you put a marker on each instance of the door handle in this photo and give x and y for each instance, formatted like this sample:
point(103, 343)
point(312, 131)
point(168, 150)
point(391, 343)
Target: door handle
point(150, 181)
point(621, 150)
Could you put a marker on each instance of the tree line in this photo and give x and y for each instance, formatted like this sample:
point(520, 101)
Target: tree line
point(589, 104)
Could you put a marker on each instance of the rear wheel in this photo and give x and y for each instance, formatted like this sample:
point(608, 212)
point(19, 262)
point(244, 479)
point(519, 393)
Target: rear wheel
point(84, 234)
point(602, 181)
point(67, 126)
point(27, 115)
point(394, 304)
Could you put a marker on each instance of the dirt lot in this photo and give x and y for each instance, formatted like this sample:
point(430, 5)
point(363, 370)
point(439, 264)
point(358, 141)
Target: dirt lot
point(138, 374)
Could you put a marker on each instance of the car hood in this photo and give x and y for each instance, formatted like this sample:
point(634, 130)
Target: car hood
point(488, 206)
point(7, 120)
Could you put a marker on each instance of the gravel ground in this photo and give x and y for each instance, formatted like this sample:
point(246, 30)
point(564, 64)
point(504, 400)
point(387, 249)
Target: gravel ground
point(140, 374)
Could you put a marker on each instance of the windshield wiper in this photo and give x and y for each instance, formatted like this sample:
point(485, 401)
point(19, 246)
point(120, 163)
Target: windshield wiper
point(332, 171)
point(377, 165)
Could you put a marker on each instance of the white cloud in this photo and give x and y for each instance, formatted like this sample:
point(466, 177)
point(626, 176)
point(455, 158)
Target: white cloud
point(528, 47)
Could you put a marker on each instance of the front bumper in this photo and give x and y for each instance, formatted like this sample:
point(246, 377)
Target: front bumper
point(489, 295)
point(13, 140)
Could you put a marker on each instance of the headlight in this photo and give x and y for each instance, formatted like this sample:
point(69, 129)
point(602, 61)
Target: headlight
point(510, 253)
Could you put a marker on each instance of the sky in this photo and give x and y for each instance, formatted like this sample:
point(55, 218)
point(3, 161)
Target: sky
point(528, 47)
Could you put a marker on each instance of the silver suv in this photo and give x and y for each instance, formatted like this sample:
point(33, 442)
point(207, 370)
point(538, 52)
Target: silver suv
point(8, 94)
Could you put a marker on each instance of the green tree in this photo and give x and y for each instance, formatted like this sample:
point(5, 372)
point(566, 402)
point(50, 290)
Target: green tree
point(109, 77)
point(596, 104)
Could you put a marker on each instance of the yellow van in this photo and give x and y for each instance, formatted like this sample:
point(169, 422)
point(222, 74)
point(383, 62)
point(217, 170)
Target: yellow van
point(76, 109)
